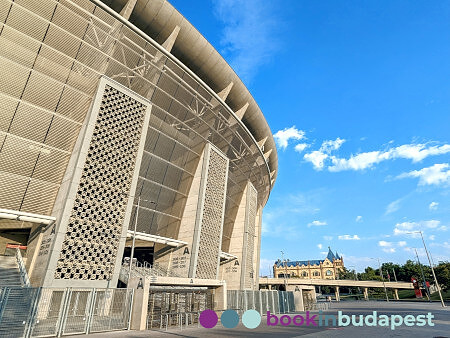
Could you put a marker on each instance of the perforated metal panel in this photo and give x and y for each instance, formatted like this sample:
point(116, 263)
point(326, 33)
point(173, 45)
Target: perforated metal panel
point(90, 245)
point(249, 273)
point(212, 217)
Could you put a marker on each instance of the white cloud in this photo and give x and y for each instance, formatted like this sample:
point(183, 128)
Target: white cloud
point(249, 35)
point(330, 145)
point(366, 160)
point(390, 247)
point(282, 137)
point(319, 246)
point(358, 162)
point(349, 237)
point(393, 207)
point(435, 175)
point(328, 238)
point(300, 147)
point(405, 228)
point(432, 237)
point(358, 219)
point(318, 157)
point(433, 205)
point(316, 223)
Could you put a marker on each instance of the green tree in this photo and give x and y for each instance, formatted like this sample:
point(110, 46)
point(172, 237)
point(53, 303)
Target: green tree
point(442, 271)
point(369, 274)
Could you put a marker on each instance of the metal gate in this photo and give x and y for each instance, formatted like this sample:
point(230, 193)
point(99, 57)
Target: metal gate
point(47, 312)
point(177, 308)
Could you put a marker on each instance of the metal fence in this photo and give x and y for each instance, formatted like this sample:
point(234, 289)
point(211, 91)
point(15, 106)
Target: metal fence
point(177, 308)
point(261, 301)
point(49, 312)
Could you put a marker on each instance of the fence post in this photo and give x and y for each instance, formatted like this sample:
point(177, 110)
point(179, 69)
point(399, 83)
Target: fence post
point(62, 323)
point(91, 309)
point(130, 306)
point(33, 313)
point(260, 302)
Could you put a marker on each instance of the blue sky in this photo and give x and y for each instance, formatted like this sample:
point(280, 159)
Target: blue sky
point(357, 94)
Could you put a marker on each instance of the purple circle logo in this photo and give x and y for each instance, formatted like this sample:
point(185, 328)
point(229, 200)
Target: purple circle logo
point(208, 319)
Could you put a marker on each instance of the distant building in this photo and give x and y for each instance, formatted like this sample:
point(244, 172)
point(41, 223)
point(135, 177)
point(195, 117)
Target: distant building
point(327, 268)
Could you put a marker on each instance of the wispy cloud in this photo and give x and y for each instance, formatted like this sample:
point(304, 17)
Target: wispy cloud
point(358, 219)
point(433, 206)
point(300, 147)
point(316, 223)
point(282, 220)
point(365, 160)
point(390, 247)
point(438, 174)
point(393, 207)
point(282, 137)
point(250, 34)
point(328, 238)
point(319, 246)
point(349, 237)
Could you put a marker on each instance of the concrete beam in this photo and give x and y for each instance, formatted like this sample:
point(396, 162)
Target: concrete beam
point(223, 94)
point(168, 44)
point(128, 9)
point(267, 154)
point(240, 113)
point(262, 142)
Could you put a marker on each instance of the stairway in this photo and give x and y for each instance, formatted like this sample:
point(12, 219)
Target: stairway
point(9, 272)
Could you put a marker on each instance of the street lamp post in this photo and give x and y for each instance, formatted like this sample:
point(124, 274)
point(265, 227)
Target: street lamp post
point(395, 276)
point(431, 265)
point(382, 279)
point(423, 277)
point(285, 270)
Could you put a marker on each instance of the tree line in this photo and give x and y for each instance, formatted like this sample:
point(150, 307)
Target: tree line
point(403, 273)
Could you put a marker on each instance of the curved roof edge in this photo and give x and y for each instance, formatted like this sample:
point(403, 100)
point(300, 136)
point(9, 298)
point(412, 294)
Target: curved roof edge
point(158, 19)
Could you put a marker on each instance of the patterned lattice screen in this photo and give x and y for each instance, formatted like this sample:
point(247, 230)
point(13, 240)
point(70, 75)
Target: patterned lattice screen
point(92, 237)
point(212, 217)
point(252, 199)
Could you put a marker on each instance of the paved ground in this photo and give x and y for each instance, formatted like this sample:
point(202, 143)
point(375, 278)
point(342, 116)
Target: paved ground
point(441, 326)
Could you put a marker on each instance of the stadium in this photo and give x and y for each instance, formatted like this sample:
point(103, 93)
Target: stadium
point(123, 132)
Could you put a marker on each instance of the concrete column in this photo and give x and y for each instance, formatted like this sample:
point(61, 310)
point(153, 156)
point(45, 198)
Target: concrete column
point(220, 297)
point(140, 303)
point(396, 294)
point(336, 293)
point(298, 300)
point(270, 286)
point(366, 294)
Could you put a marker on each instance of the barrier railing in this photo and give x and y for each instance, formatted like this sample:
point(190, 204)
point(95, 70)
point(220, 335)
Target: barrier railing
point(51, 312)
point(24, 279)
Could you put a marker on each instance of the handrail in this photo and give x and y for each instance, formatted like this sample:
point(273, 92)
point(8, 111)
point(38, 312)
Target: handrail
point(24, 279)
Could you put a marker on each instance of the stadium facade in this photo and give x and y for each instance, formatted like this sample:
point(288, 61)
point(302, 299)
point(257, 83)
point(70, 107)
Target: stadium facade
point(121, 124)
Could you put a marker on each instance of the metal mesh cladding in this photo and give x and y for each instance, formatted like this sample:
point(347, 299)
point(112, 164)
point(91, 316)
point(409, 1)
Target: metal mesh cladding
point(95, 225)
point(211, 227)
point(250, 245)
